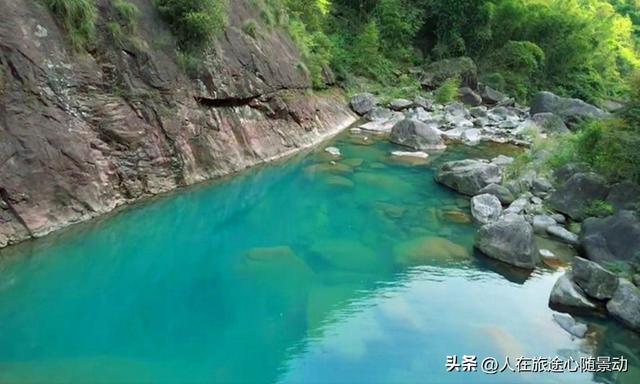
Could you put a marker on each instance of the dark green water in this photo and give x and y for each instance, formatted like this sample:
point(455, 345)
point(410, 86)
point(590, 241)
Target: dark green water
point(301, 271)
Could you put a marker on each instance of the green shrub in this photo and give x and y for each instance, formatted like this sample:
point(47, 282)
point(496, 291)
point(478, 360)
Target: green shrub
point(194, 22)
point(448, 91)
point(599, 208)
point(250, 27)
point(127, 14)
point(78, 18)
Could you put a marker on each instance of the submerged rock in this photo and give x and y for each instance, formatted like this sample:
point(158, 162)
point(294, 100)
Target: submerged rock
point(485, 208)
point(363, 103)
point(349, 255)
point(416, 135)
point(333, 151)
point(468, 176)
point(570, 325)
point(339, 181)
point(425, 250)
point(510, 240)
point(596, 281)
point(566, 295)
point(625, 304)
point(410, 158)
point(612, 238)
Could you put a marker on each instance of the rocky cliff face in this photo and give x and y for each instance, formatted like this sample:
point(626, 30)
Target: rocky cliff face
point(83, 133)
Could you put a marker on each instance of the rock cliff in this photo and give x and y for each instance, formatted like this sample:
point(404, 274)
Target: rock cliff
point(83, 133)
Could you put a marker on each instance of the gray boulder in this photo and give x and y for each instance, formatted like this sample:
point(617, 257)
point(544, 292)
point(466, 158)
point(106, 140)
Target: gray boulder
point(518, 207)
point(502, 193)
point(379, 113)
point(479, 111)
point(613, 238)
point(491, 97)
point(541, 223)
point(511, 241)
point(578, 193)
point(468, 176)
point(485, 208)
point(469, 97)
point(624, 195)
point(625, 304)
point(564, 173)
point(420, 101)
point(596, 281)
point(570, 110)
point(363, 103)
point(400, 104)
point(567, 296)
point(562, 234)
point(570, 325)
point(417, 135)
point(545, 123)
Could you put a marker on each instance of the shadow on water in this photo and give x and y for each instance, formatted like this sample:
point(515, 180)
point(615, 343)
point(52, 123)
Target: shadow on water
point(354, 269)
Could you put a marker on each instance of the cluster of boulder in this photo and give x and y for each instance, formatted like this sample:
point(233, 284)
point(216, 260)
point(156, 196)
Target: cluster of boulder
point(588, 287)
point(512, 212)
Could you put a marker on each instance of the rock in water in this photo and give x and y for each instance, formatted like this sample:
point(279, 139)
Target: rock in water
point(570, 325)
point(416, 135)
point(625, 304)
point(468, 176)
point(427, 250)
point(570, 110)
point(614, 238)
point(577, 193)
point(502, 193)
point(333, 151)
point(485, 208)
point(511, 241)
point(363, 103)
point(596, 281)
point(566, 295)
point(542, 222)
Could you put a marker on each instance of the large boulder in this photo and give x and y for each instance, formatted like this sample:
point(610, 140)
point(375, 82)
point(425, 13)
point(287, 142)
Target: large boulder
point(542, 222)
point(570, 325)
point(469, 97)
point(625, 304)
point(438, 72)
point(624, 195)
point(509, 240)
point(400, 104)
point(545, 122)
point(570, 110)
point(501, 192)
point(363, 103)
point(578, 193)
point(491, 96)
point(613, 238)
point(485, 208)
point(417, 135)
point(596, 281)
point(562, 234)
point(567, 296)
point(468, 176)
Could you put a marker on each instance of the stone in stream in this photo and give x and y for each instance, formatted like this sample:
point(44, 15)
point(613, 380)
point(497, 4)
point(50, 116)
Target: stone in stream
point(567, 296)
point(339, 181)
point(578, 193)
point(563, 234)
point(417, 135)
point(410, 158)
point(468, 176)
point(429, 249)
point(570, 325)
point(596, 281)
point(456, 216)
point(550, 259)
point(471, 136)
point(613, 238)
point(510, 240)
point(625, 304)
point(485, 208)
point(502, 193)
point(363, 103)
point(348, 255)
point(333, 151)
point(332, 167)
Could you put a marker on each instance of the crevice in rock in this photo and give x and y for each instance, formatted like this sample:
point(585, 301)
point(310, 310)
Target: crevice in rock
point(230, 102)
point(4, 195)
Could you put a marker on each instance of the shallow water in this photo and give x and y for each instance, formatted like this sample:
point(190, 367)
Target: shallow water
point(361, 271)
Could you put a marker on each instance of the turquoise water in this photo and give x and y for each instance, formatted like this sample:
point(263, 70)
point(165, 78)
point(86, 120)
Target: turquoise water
point(361, 271)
